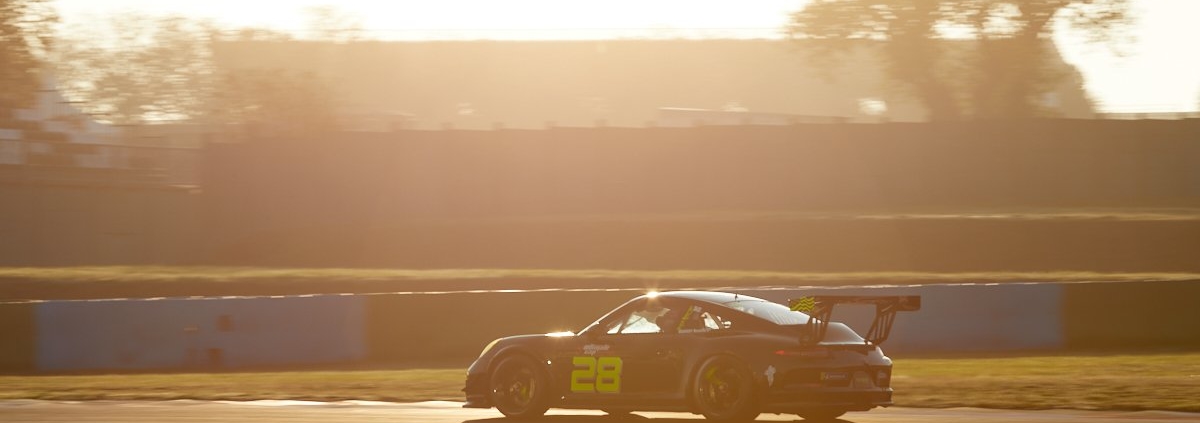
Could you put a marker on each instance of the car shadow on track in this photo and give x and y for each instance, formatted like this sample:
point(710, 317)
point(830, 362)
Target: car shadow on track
point(628, 418)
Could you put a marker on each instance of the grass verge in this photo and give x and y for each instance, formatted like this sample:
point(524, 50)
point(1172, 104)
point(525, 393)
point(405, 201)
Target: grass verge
point(1103, 382)
point(1107, 382)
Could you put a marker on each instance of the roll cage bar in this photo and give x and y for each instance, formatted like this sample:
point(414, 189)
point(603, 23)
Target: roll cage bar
point(821, 308)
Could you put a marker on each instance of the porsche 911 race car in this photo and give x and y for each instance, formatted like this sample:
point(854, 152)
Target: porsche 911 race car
point(727, 356)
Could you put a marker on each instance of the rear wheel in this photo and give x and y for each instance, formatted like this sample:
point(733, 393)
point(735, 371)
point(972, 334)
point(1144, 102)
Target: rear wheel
point(723, 390)
point(519, 387)
point(821, 415)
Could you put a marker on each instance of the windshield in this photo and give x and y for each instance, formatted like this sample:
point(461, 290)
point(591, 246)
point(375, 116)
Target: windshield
point(774, 312)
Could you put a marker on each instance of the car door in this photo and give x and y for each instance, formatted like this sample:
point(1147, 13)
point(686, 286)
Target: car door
point(628, 360)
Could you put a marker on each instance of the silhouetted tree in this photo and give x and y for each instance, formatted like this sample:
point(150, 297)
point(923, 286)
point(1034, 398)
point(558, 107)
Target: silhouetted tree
point(274, 103)
point(143, 69)
point(133, 69)
point(255, 34)
point(327, 23)
point(26, 32)
point(1004, 75)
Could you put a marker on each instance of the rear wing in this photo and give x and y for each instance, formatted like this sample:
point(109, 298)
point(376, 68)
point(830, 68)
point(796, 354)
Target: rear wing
point(821, 308)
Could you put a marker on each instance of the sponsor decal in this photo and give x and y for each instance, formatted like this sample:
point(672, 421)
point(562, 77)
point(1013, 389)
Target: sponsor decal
point(592, 349)
point(804, 304)
point(834, 376)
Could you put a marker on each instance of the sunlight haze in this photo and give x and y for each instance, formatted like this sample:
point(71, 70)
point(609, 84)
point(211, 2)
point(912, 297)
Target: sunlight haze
point(1151, 72)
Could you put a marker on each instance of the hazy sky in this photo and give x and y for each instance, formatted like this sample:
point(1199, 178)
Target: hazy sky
point(1158, 72)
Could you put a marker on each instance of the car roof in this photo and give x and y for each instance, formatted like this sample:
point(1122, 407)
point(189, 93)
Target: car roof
point(714, 297)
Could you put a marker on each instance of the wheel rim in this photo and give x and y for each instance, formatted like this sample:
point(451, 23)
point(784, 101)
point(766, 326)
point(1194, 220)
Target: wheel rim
point(721, 389)
point(515, 389)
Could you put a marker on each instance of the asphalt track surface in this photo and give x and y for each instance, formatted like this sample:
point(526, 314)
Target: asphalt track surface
point(451, 412)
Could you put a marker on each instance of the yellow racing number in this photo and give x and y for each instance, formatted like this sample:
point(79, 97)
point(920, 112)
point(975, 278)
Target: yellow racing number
point(608, 375)
point(583, 377)
point(596, 374)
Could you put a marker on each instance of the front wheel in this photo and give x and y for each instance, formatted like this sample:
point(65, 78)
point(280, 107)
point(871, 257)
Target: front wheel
point(723, 390)
point(519, 387)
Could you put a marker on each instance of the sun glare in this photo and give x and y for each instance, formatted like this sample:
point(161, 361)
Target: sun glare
point(482, 19)
point(549, 19)
point(1152, 75)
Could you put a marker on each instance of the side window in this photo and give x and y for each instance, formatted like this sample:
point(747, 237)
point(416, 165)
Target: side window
point(695, 319)
point(643, 321)
point(653, 317)
point(614, 327)
point(647, 319)
point(711, 322)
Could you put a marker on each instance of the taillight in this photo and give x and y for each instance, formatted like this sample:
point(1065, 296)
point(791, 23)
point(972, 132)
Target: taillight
point(883, 378)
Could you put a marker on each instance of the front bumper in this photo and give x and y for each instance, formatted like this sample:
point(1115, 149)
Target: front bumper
point(477, 392)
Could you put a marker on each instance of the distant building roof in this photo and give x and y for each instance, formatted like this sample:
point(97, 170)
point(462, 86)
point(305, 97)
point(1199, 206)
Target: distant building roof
point(533, 84)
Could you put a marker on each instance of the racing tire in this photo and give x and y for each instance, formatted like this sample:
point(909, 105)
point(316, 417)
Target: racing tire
point(723, 390)
point(821, 415)
point(519, 387)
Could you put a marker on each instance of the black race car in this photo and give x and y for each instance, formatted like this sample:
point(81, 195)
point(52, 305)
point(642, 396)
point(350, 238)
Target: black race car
point(724, 355)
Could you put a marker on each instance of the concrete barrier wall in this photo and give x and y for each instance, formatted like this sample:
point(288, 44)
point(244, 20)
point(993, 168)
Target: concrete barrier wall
point(958, 318)
point(457, 326)
point(953, 318)
point(451, 328)
point(199, 333)
point(17, 334)
point(1132, 315)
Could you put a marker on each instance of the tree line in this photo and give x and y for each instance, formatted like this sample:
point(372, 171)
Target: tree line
point(133, 69)
point(1003, 75)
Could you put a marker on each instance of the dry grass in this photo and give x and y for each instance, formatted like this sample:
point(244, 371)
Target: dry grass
point(390, 385)
point(1109, 382)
